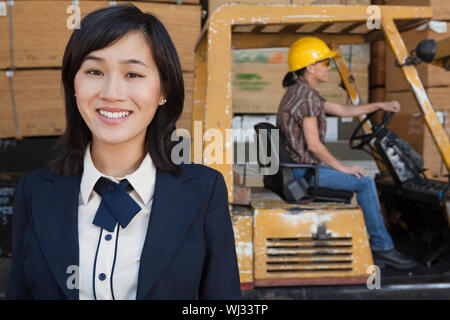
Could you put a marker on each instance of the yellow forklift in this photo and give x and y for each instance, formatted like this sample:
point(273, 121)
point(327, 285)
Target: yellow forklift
point(286, 238)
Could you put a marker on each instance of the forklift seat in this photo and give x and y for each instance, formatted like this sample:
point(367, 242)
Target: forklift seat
point(283, 182)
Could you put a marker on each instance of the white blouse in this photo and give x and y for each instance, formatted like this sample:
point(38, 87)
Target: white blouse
point(114, 255)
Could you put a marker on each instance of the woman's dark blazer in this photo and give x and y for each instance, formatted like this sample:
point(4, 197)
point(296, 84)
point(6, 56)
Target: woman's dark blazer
point(188, 253)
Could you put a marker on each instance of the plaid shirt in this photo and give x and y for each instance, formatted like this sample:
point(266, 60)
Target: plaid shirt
point(300, 101)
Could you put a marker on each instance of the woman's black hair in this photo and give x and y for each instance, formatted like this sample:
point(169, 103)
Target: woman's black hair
point(291, 77)
point(100, 29)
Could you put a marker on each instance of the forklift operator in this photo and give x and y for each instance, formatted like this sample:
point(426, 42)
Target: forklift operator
point(302, 120)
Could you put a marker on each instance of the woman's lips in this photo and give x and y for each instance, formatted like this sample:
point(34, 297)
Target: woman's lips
point(113, 121)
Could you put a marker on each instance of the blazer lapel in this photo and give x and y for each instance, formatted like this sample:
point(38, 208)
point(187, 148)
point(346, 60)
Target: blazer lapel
point(55, 211)
point(175, 202)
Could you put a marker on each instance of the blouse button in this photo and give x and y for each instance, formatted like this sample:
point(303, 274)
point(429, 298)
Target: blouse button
point(108, 237)
point(102, 276)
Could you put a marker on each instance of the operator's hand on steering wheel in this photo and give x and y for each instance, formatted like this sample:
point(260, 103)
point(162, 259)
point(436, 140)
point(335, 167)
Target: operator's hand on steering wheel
point(390, 106)
point(354, 170)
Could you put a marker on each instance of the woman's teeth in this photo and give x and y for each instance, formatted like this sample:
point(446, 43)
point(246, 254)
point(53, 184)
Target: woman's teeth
point(114, 115)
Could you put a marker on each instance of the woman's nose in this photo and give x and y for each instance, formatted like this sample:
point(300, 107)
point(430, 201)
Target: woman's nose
point(113, 89)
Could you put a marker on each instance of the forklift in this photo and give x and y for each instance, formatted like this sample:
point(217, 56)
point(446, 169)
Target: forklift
point(292, 236)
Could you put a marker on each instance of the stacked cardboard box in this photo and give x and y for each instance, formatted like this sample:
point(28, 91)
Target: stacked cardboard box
point(39, 36)
point(409, 123)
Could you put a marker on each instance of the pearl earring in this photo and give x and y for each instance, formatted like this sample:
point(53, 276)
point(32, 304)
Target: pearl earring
point(162, 102)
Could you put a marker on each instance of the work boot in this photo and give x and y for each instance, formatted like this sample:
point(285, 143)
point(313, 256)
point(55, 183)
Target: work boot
point(394, 259)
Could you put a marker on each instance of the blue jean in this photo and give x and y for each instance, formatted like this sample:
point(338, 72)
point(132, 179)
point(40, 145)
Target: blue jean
point(366, 195)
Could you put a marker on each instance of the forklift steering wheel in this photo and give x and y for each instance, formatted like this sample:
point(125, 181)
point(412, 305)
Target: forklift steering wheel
point(357, 141)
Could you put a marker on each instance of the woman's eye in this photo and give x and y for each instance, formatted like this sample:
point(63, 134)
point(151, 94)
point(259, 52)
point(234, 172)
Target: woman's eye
point(134, 75)
point(93, 72)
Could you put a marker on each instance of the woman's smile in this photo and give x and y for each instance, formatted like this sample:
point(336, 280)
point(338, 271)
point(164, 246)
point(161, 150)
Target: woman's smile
point(112, 116)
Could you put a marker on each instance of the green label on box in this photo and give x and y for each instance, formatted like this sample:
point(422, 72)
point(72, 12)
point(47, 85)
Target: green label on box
point(248, 76)
point(250, 82)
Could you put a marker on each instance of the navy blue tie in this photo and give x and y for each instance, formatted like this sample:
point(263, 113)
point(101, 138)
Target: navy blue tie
point(117, 206)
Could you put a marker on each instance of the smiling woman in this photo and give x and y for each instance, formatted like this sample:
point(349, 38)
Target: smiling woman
point(118, 98)
point(113, 65)
point(113, 207)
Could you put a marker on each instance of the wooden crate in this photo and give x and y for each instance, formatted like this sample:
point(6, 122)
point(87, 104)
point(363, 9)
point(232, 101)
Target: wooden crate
point(430, 75)
point(5, 56)
point(40, 32)
point(40, 103)
point(441, 8)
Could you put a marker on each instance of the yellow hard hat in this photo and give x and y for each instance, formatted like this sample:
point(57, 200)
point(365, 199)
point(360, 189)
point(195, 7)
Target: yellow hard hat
point(306, 51)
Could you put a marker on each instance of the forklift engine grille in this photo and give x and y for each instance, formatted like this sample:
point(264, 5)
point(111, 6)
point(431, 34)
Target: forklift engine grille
point(319, 245)
point(309, 255)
